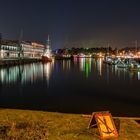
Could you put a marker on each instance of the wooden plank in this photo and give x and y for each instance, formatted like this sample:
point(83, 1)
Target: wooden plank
point(124, 118)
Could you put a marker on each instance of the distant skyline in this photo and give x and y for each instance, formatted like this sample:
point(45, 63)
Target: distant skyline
point(94, 23)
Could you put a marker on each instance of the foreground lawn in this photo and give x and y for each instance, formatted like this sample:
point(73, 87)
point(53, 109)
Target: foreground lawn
point(36, 125)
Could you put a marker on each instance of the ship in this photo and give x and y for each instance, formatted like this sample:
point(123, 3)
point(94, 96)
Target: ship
point(47, 55)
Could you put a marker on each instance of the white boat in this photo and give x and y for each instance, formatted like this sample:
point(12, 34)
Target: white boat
point(134, 66)
point(128, 63)
point(110, 60)
point(47, 56)
point(122, 64)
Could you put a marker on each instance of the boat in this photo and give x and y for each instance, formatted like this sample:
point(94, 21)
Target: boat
point(122, 64)
point(130, 64)
point(110, 60)
point(134, 67)
point(47, 56)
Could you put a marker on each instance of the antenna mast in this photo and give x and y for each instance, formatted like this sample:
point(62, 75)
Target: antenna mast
point(48, 41)
point(20, 46)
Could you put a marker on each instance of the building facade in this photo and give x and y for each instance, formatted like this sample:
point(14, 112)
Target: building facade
point(14, 49)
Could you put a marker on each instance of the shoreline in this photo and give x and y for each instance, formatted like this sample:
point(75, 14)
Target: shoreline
point(18, 61)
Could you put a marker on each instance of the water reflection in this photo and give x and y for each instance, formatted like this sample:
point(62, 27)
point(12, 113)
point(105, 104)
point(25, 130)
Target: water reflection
point(138, 75)
point(121, 73)
point(91, 68)
point(87, 65)
point(25, 74)
point(97, 67)
point(125, 74)
point(84, 64)
point(66, 64)
point(107, 74)
point(47, 71)
point(74, 86)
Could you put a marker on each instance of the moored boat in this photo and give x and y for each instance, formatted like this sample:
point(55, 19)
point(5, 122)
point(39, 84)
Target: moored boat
point(134, 67)
point(110, 60)
point(122, 64)
point(46, 59)
point(47, 56)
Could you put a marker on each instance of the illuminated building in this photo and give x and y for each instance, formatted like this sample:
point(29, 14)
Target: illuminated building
point(8, 49)
point(14, 49)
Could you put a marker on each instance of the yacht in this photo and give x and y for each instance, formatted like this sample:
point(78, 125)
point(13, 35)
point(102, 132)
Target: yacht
point(122, 64)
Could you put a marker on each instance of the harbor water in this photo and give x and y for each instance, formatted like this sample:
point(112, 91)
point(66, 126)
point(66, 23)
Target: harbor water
point(82, 85)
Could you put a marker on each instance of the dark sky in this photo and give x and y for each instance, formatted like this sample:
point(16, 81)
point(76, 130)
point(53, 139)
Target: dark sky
point(91, 23)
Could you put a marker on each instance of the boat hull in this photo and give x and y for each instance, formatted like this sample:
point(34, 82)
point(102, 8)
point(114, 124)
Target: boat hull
point(46, 59)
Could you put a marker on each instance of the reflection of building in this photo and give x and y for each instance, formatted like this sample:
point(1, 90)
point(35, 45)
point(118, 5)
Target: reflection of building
point(25, 74)
point(47, 69)
point(12, 49)
point(99, 66)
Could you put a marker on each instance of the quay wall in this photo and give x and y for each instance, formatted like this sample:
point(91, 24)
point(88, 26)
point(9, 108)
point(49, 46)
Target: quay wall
point(10, 62)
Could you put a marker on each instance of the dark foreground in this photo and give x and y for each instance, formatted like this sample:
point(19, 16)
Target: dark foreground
point(35, 125)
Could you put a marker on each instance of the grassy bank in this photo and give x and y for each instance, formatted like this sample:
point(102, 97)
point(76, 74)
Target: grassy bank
point(35, 125)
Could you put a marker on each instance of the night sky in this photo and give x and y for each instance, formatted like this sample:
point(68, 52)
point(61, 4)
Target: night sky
point(86, 23)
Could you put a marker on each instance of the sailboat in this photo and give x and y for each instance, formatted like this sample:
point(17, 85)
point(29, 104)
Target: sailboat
point(47, 56)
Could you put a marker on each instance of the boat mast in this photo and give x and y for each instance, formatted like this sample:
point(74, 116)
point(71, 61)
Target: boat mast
point(48, 42)
point(47, 46)
point(19, 44)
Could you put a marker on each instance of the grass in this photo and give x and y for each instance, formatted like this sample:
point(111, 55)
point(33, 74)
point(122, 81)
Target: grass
point(36, 125)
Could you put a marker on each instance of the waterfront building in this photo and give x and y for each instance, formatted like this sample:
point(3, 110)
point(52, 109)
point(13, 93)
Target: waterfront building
point(8, 49)
point(38, 49)
point(14, 49)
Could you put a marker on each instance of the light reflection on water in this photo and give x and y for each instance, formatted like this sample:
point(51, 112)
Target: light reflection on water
point(89, 65)
point(24, 74)
point(138, 75)
point(30, 73)
point(85, 65)
point(81, 85)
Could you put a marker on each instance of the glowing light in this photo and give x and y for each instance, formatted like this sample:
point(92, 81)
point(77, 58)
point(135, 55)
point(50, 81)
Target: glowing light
point(87, 70)
point(64, 64)
point(2, 76)
point(2, 53)
point(138, 75)
point(47, 72)
point(82, 64)
point(81, 55)
point(100, 55)
point(100, 67)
